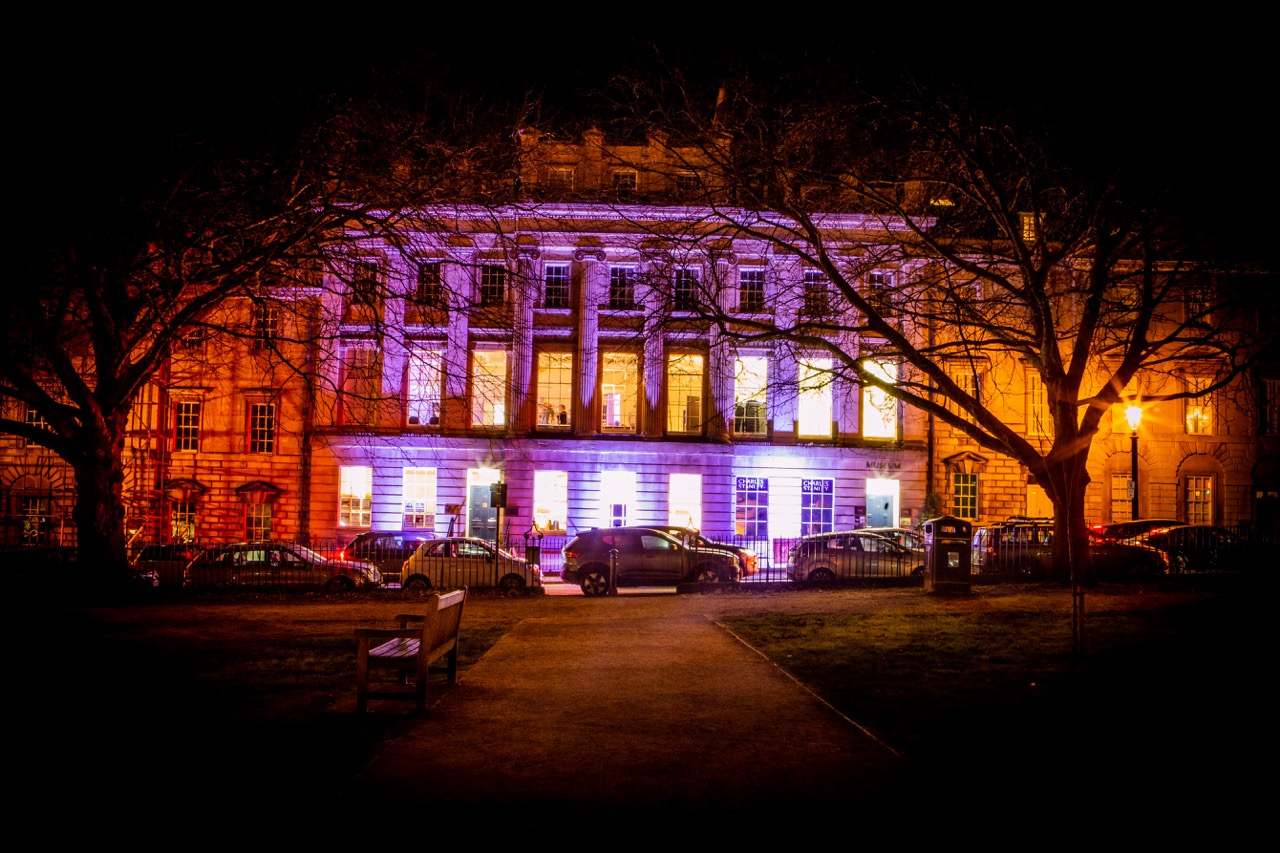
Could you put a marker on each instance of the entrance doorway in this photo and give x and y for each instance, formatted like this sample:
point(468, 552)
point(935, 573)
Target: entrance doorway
point(882, 503)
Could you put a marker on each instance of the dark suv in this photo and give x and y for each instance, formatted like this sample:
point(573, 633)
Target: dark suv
point(646, 556)
point(386, 549)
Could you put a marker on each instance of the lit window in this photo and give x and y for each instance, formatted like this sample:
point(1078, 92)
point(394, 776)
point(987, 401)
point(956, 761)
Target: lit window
point(686, 290)
point(684, 500)
point(182, 521)
point(964, 503)
point(815, 397)
point(619, 391)
point(262, 428)
point(419, 490)
point(751, 507)
point(817, 300)
point(750, 290)
point(879, 409)
point(551, 500)
point(266, 326)
point(355, 498)
point(684, 394)
point(1027, 226)
point(1037, 405)
point(555, 388)
point(493, 285)
point(360, 384)
point(186, 426)
point(817, 506)
point(35, 420)
point(622, 288)
point(489, 388)
point(35, 519)
point(750, 380)
point(1199, 499)
point(556, 281)
point(425, 378)
point(257, 522)
point(617, 495)
point(1199, 408)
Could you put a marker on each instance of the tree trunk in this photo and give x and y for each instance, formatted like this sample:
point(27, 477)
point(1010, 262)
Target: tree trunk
point(1071, 559)
point(99, 508)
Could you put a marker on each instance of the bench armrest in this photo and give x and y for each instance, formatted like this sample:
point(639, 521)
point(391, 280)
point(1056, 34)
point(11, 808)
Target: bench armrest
point(386, 634)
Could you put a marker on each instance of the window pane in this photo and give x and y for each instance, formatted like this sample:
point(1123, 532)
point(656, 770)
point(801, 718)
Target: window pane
point(556, 293)
point(965, 501)
point(879, 410)
point(419, 489)
point(425, 379)
point(751, 290)
point(555, 388)
point(489, 388)
point(355, 498)
point(815, 397)
point(817, 506)
point(750, 379)
point(617, 495)
point(685, 500)
point(684, 394)
point(186, 437)
point(551, 500)
point(262, 428)
point(619, 390)
point(751, 507)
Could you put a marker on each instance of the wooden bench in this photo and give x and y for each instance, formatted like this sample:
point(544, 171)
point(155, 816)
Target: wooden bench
point(407, 652)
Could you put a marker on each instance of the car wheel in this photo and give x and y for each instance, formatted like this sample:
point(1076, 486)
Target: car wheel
point(1178, 564)
point(707, 574)
point(595, 582)
point(821, 576)
point(341, 583)
point(917, 572)
point(511, 585)
point(417, 583)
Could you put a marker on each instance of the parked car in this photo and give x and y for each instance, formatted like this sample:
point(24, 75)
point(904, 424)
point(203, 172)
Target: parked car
point(1024, 547)
point(1018, 546)
point(1131, 559)
point(748, 560)
point(1122, 530)
point(166, 561)
point(646, 556)
point(459, 561)
point(851, 554)
point(904, 536)
point(1202, 548)
point(386, 549)
point(276, 566)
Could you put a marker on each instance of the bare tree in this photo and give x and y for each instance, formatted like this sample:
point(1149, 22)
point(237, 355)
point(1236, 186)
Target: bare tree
point(253, 206)
point(1003, 253)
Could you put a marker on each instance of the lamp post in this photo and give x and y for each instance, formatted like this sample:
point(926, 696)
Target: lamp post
point(1134, 415)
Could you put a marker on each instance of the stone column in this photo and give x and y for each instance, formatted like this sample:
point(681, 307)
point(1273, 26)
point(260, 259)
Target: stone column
point(594, 277)
point(525, 296)
point(458, 276)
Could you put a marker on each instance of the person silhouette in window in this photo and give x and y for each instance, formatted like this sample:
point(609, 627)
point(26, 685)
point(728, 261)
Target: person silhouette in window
point(562, 416)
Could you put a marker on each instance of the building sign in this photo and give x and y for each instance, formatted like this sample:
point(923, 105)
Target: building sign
point(816, 487)
point(753, 484)
point(883, 465)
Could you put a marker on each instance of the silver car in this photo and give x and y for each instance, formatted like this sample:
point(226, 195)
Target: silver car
point(459, 561)
point(851, 555)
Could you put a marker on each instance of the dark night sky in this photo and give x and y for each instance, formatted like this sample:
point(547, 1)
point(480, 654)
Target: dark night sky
point(1189, 105)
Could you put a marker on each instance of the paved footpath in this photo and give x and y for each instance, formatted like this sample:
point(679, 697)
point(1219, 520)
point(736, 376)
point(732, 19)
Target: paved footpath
point(632, 706)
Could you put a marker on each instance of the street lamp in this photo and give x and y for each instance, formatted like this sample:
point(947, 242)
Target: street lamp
point(1133, 414)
